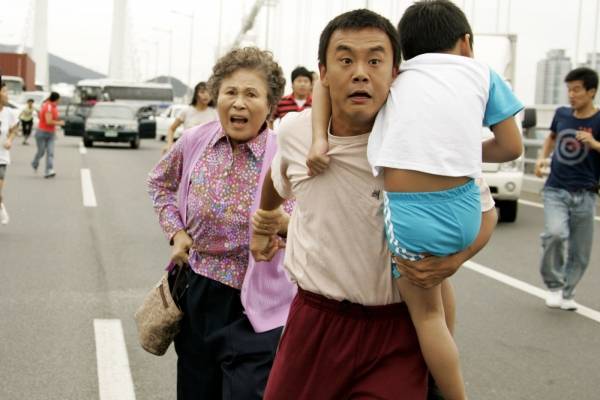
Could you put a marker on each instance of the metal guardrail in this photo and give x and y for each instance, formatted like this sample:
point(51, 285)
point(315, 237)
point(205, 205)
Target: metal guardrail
point(533, 144)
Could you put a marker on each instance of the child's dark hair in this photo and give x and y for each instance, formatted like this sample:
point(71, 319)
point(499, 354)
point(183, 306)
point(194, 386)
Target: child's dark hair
point(355, 20)
point(587, 76)
point(432, 26)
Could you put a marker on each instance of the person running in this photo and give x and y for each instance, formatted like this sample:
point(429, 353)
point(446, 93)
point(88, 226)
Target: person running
point(571, 190)
point(8, 131)
point(348, 316)
point(26, 118)
point(200, 111)
point(46, 134)
point(427, 143)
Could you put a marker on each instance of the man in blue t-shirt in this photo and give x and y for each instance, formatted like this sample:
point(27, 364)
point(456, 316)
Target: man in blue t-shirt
point(571, 189)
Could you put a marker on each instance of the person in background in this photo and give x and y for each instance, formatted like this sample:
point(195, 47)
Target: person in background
point(8, 131)
point(199, 112)
point(45, 134)
point(26, 118)
point(571, 189)
point(300, 98)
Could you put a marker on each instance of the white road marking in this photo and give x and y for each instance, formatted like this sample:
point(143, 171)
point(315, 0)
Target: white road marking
point(114, 374)
point(87, 188)
point(82, 148)
point(540, 205)
point(526, 287)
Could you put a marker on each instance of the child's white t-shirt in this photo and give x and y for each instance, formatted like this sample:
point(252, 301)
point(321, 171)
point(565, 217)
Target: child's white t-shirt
point(432, 120)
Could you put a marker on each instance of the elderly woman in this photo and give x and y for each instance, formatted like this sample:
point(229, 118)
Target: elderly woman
point(204, 190)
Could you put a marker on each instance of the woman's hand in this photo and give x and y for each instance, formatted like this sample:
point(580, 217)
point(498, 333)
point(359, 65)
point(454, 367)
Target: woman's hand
point(269, 223)
point(182, 243)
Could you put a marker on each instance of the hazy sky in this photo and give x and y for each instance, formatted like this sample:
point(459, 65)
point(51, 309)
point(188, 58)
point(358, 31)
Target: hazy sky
point(80, 31)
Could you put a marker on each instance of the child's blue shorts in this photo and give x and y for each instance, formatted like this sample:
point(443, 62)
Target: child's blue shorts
point(435, 223)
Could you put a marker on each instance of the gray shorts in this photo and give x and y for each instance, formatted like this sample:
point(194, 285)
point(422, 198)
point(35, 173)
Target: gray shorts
point(2, 171)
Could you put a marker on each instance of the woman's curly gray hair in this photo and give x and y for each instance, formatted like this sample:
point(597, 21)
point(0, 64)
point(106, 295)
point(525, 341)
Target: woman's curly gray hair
point(251, 58)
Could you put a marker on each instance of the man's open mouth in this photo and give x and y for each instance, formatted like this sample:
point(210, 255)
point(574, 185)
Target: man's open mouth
point(360, 95)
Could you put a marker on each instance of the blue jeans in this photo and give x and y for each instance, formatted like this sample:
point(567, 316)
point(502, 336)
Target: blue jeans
point(45, 144)
point(568, 232)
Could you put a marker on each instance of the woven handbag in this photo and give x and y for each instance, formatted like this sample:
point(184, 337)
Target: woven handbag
point(159, 315)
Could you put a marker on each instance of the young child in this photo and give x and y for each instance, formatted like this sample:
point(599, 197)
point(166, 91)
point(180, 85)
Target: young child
point(427, 141)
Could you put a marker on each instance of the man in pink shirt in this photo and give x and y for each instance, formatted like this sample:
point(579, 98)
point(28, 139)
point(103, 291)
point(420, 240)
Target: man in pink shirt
point(46, 134)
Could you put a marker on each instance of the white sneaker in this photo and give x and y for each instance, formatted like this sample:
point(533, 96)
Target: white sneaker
point(4, 218)
point(554, 298)
point(569, 305)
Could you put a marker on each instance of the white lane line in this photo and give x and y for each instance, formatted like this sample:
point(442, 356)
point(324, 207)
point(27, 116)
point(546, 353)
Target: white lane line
point(82, 148)
point(540, 205)
point(87, 189)
point(114, 374)
point(526, 287)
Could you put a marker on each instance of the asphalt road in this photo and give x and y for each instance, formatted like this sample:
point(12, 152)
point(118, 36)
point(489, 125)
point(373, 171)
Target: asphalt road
point(63, 265)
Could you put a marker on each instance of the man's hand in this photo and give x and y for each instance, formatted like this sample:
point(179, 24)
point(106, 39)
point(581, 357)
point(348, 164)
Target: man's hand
point(182, 243)
point(428, 272)
point(7, 144)
point(540, 165)
point(264, 247)
point(588, 139)
point(318, 160)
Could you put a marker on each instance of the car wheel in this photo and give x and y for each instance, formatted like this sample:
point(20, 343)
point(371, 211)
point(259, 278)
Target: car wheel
point(508, 210)
point(135, 142)
point(88, 142)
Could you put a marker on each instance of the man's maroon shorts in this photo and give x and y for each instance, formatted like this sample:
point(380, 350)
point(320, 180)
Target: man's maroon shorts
point(335, 350)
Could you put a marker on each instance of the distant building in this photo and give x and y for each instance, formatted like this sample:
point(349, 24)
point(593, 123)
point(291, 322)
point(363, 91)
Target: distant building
point(592, 62)
point(550, 78)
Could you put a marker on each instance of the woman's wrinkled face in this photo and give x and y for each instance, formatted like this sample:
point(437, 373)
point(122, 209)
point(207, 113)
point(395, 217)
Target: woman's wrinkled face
point(243, 104)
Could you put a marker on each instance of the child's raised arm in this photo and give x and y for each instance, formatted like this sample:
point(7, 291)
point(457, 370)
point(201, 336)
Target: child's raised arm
point(318, 160)
point(506, 145)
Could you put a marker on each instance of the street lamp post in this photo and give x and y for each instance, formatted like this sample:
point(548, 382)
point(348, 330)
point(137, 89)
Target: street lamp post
point(191, 17)
point(170, 32)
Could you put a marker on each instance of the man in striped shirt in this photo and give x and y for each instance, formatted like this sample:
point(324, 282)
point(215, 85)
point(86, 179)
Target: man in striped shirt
point(300, 98)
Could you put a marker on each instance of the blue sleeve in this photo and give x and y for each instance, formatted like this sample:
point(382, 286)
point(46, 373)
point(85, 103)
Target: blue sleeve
point(502, 103)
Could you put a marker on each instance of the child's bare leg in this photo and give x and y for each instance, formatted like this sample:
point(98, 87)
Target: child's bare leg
point(449, 301)
point(438, 348)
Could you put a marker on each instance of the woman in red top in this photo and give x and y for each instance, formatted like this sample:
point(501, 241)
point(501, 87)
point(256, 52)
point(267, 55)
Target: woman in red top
point(45, 134)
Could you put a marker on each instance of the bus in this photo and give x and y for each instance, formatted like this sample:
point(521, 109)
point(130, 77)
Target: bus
point(14, 86)
point(90, 91)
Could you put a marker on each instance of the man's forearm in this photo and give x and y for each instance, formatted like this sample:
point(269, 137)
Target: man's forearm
point(488, 223)
point(269, 198)
point(548, 146)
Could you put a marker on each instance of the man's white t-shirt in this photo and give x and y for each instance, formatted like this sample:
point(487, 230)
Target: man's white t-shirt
point(432, 120)
point(8, 119)
point(336, 244)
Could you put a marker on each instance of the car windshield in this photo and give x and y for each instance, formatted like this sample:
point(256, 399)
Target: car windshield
point(113, 112)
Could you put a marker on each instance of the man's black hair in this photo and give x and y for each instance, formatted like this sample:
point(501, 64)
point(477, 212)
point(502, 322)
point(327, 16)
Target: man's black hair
point(54, 96)
point(356, 20)
point(587, 76)
point(432, 26)
point(301, 71)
